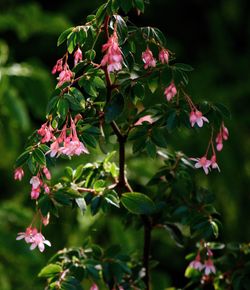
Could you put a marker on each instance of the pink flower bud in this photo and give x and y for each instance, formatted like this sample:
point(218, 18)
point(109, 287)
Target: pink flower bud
point(45, 220)
point(35, 192)
point(163, 56)
point(35, 182)
point(77, 56)
point(148, 59)
point(18, 174)
point(170, 92)
point(47, 173)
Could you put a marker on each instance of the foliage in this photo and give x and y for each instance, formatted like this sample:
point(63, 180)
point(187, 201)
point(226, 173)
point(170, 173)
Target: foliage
point(172, 226)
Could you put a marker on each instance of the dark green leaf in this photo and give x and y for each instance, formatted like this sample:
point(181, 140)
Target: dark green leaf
point(50, 271)
point(183, 67)
point(137, 203)
point(63, 36)
point(39, 156)
point(22, 158)
point(114, 108)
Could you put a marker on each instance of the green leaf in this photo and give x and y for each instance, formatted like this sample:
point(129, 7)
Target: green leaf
point(50, 271)
point(63, 108)
point(90, 54)
point(98, 83)
point(158, 136)
point(151, 149)
point(125, 5)
point(153, 83)
point(39, 156)
point(81, 203)
point(140, 5)
point(63, 36)
point(137, 203)
point(71, 41)
point(95, 205)
point(62, 198)
point(175, 233)
point(22, 158)
point(45, 204)
point(112, 198)
point(78, 172)
point(114, 108)
point(183, 67)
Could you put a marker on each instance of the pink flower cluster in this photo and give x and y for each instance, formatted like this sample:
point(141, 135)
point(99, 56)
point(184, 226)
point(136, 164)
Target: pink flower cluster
point(150, 61)
point(196, 117)
point(18, 173)
point(65, 74)
point(206, 164)
point(113, 56)
point(170, 92)
point(35, 238)
point(37, 183)
point(67, 143)
point(222, 135)
point(207, 266)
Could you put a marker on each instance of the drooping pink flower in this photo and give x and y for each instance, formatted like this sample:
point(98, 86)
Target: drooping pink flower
point(58, 66)
point(47, 173)
point(196, 117)
point(209, 267)
point(35, 192)
point(148, 59)
point(202, 162)
point(68, 144)
point(18, 174)
point(35, 182)
point(46, 132)
point(170, 92)
point(113, 56)
point(164, 56)
point(146, 118)
point(94, 287)
point(214, 165)
point(46, 188)
point(27, 235)
point(38, 240)
point(222, 135)
point(77, 56)
point(196, 263)
point(65, 75)
point(45, 219)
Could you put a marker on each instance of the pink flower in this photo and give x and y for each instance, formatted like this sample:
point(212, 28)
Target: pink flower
point(65, 76)
point(45, 219)
point(209, 267)
point(35, 192)
point(18, 174)
point(222, 135)
point(47, 173)
point(94, 287)
point(46, 188)
point(148, 58)
point(170, 92)
point(77, 56)
point(163, 56)
point(197, 117)
point(146, 118)
point(113, 57)
point(202, 162)
point(46, 132)
point(35, 182)
point(38, 240)
point(214, 165)
point(58, 66)
point(27, 235)
point(68, 145)
point(196, 263)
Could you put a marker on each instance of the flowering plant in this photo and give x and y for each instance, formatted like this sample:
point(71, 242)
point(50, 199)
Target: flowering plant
point(121, 80)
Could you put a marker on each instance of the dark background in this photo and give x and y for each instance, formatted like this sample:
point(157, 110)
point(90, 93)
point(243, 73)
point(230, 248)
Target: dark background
point(212, 36)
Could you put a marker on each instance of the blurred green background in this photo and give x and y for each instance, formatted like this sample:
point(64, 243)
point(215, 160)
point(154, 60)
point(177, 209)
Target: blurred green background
point(213, 36)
